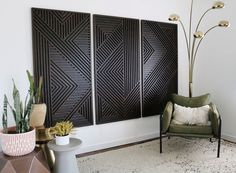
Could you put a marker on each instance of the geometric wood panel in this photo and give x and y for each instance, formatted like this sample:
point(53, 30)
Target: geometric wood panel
point(160, 58)
point(61, 50)
point(117, 68)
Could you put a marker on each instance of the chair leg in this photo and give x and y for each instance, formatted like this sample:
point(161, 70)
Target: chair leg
point(161, 133)
point(219, 138)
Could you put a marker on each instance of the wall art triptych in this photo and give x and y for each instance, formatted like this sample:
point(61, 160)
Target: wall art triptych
point(134, 74)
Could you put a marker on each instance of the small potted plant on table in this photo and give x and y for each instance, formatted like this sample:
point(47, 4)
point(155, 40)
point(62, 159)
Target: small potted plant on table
point(20, 139)
point(62, 131)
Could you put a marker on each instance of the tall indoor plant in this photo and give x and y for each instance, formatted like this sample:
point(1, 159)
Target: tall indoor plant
point(39, 109)
point(20, 139)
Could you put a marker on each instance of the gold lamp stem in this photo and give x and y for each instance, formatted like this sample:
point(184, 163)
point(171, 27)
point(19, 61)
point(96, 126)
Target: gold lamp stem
point(191, 69)
point(195, 53)
point(199, 22)
point(192, 51)
point(186, 39)
point(190, 35)
point(190, 25)
point(192, 60)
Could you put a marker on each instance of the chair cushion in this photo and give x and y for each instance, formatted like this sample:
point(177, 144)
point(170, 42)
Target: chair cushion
point(191, 102)
point(190, 129)
point(191, 116)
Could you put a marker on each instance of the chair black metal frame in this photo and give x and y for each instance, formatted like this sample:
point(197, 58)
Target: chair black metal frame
point(217, 137)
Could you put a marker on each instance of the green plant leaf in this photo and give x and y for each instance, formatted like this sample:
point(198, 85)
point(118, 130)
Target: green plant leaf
point(25, 105)
point(4, 116)
point(13, 111)
point(28, 107)
point(17, 102)
point(5, 105)
point(32, 83)
point(21, 109)
point(39, 91)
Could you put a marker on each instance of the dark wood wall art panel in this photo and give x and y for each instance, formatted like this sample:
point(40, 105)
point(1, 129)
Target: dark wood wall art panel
point(117, 66)
point(159, 56)
point(61, 48)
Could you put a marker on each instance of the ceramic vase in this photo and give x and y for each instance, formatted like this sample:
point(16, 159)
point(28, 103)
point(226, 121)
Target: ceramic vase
point(62, 140)
point(18, 144)
point(38, 114)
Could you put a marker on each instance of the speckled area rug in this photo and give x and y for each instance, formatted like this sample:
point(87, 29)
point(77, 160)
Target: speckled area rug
point(180, 155)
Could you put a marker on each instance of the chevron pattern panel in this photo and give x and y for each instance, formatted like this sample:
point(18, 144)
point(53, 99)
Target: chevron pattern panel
point(117, 66)
point(61, 49)
point(159, 57)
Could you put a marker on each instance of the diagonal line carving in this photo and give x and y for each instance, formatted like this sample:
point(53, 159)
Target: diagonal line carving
point(62, 57)
point(117, 69)
point(159, 55)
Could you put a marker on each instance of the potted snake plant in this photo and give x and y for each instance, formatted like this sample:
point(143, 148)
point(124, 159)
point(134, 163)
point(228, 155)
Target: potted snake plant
point(20, 139)
point(39, 109)
point(62, 130)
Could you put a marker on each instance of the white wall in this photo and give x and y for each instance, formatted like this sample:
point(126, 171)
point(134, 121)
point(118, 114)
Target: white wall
point(16, 57)
point(216, 63)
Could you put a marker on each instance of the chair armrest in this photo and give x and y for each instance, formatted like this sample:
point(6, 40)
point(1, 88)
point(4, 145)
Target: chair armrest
point(167, 114)
point(215, 119)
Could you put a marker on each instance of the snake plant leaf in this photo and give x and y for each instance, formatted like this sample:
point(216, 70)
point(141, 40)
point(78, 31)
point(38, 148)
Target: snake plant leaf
point(21, 109)
point(16, 98)
point(4, 116)
point(25, 105)
point(28, 108)
point(5, 105)
point(31, 81)
point(35, 91)
point(13, 111)
point(39, 90)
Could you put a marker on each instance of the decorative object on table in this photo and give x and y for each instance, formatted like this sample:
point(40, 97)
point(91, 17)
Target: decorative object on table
point(18, 140)
point(43, 136)
point(172, 125)
point(65, 155)
point(62, 131)
point(30, 163)
point(197, 35)
point(39, 109)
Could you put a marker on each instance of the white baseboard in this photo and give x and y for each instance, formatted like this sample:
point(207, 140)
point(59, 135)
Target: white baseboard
point(229, 137)
point(110, 144)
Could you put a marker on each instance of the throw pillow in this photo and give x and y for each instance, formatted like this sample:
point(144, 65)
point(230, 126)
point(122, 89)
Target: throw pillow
point(191, 116)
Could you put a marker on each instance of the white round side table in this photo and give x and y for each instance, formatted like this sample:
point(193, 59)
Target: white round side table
point(65, 159)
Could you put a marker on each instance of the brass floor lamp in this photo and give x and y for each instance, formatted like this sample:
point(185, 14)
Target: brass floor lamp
point(195, 37)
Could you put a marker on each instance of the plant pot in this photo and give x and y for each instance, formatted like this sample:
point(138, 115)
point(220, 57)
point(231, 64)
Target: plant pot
point(62, 140)
point(38, 114)
point(18, 144)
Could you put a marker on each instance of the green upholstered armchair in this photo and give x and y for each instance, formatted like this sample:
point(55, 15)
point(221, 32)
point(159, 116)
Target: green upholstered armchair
point(168, 128)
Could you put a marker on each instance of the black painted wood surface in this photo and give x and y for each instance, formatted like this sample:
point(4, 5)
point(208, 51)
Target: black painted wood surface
point(160, 58)
point(117, 67)
point(61, 50)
